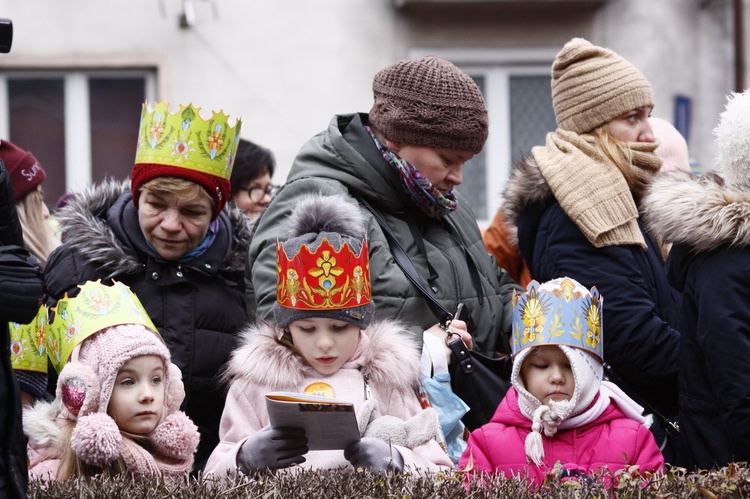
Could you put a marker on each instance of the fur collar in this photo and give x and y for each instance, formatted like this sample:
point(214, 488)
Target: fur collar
point(525, 186)
point(699, 211)
point(39, 423)
point(83, 223)
point(386, 358)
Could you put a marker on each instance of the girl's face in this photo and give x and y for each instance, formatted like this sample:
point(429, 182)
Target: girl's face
point(137, 400)
point(324, 343)
point(632, 126)
point(171, 224)
point(442, 167)
point(546, 374)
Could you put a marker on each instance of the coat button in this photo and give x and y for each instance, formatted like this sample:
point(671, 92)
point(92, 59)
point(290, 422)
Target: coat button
point(155, 276)
point(179, 273)
point(208, 265)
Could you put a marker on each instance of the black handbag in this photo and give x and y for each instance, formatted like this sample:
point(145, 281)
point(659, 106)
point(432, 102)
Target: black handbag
point(480, 381)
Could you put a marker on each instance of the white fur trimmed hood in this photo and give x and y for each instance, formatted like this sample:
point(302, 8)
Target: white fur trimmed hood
point(83, 226)
point(386, 358)
point(702, 212)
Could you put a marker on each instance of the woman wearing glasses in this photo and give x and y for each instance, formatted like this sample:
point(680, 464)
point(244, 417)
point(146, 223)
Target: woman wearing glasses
point(251, 178)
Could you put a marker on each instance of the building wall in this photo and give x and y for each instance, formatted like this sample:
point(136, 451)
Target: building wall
point(287, 66)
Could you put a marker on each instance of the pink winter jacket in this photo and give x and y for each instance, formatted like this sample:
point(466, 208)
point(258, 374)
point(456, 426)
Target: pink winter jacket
point(386, 354)
point(612, 440)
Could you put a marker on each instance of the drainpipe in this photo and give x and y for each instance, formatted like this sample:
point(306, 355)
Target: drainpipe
point(739, 46)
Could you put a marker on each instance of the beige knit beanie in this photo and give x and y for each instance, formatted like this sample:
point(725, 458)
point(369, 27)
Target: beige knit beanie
point(592, 85)
point(429, 101)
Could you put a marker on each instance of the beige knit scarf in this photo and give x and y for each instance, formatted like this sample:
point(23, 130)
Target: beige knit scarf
point(591, 190)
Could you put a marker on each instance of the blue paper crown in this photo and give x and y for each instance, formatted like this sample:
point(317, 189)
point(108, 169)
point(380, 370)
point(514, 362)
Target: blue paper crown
point(559, 312)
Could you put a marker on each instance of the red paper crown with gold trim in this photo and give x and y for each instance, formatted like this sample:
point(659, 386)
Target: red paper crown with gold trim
point(324, 279)
point(186, 140)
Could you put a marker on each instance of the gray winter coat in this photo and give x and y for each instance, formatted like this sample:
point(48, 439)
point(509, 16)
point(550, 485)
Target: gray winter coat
point(345, 160)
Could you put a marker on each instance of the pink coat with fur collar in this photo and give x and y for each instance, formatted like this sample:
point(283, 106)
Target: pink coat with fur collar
point(261, 365)
point(612, 440)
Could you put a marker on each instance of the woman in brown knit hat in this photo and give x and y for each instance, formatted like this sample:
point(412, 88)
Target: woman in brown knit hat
point(575, 202)
point(404, 160)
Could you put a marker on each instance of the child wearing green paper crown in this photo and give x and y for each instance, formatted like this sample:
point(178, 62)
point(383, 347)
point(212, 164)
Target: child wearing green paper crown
point(559, 411)
point(118, 394)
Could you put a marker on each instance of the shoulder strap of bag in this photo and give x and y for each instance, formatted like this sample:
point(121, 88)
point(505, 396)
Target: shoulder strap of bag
point(407, 266)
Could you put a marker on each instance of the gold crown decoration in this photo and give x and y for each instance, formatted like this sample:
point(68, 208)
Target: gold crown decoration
point(96, 307)
point(28, 343)
point(324, 279)
point(186, 140)
point(558, 313)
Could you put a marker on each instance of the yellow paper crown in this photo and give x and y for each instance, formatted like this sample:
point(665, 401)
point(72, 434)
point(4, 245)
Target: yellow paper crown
point(96, 307)
point(28, 344)
point(186, 140)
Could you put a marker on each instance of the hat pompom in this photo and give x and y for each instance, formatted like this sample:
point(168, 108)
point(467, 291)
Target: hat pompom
point(176, 437)
point(96, 439)
point(733, 139)
point(78, 389)
point(315, 213)
point(175, 389)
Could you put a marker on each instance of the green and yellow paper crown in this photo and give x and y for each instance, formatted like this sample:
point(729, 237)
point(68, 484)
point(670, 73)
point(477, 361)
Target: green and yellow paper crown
point(28, 344)
point(559, 312)
point(186, 140)
point(96, 307)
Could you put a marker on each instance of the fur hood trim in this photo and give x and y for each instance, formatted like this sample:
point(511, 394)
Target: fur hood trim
point(525, 186)
point(39, 423)
point(385, 358)
point(83, 225)
point(699, 211)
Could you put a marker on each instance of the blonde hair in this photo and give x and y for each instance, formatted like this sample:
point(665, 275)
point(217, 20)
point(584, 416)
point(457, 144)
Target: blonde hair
point(616, 150)
point(72, 466)
point(38, 235)
point(186, 189)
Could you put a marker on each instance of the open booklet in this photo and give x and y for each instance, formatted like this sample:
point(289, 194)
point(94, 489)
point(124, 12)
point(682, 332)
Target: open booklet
point(329, 423)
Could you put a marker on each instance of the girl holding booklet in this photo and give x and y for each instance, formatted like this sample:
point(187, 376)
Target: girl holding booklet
point(323, 343)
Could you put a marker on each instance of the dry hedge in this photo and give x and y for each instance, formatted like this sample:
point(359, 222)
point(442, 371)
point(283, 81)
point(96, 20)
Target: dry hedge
point(732, 481)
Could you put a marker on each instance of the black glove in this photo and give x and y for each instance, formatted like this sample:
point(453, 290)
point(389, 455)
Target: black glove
point(21, 286)
point(373, 453)
point(272, 448)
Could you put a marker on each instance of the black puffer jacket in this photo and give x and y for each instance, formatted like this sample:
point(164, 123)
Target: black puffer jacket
point(710, 264)
point(21, 290)
point(641, 339)
point(197, 306)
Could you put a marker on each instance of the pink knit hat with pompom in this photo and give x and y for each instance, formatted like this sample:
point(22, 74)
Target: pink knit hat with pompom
point(85, 386)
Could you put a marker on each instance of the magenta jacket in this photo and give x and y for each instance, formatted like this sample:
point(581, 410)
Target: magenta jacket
point(612, 440)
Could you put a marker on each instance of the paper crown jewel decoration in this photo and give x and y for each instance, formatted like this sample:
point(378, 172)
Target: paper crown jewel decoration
point(186, 140)
point(96, 307)
point(560, 312)
point(324, 279)
point(28, 344)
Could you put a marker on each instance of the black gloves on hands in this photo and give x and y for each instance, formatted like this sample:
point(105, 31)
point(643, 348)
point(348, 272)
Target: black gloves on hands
point(21, 286)
point(272, 448)
point(374, 453)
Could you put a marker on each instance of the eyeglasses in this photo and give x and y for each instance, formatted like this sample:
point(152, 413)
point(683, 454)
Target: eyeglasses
point(256, 194)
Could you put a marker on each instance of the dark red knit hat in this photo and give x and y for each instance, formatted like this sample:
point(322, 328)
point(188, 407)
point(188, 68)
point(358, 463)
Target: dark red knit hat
point(218, 188)
point(25, 171)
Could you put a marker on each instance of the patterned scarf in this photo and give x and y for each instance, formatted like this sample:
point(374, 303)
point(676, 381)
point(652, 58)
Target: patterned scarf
point(420, 190)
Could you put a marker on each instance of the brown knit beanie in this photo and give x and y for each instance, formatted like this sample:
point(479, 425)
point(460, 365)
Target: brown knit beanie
point(428, 101)
point(592, 85)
